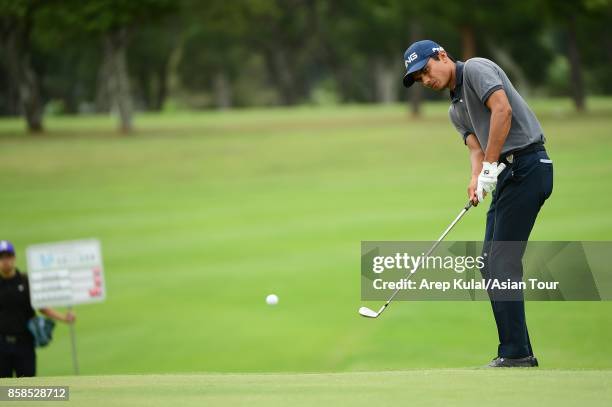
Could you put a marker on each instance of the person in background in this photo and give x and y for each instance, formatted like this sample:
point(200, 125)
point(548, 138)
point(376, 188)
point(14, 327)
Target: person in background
point(17, 354)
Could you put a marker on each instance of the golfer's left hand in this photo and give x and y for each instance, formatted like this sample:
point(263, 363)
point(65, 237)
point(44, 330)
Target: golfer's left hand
point(487, 180)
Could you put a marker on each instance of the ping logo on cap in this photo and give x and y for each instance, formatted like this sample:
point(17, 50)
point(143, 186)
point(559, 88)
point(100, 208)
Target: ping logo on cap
point(416, 57)
point(3, 245)
point(411, 58)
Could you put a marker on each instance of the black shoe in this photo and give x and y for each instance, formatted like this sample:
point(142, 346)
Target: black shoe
point(529, 361)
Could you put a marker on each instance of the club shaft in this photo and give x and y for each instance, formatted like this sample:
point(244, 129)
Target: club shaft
point(435, 245)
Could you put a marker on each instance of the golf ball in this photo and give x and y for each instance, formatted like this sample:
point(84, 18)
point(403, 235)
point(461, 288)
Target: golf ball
point(272, 299)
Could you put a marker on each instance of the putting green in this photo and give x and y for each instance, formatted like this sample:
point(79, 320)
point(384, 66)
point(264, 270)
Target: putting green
point(456, 387)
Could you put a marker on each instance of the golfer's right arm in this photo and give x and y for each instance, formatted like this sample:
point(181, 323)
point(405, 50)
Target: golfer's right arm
point(476, 159)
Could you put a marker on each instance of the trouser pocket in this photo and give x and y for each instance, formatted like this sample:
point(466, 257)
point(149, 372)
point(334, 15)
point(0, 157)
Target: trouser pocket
point(546, 172)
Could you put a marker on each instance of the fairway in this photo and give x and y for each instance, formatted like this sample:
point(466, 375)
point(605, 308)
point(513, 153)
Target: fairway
point(444, 387)
point(211, 203)
point(202, 215)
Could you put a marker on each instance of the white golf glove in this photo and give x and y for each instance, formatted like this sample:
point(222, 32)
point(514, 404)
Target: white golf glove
point(487, 180)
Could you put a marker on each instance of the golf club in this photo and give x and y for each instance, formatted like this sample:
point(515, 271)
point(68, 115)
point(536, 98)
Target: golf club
point(370, 313)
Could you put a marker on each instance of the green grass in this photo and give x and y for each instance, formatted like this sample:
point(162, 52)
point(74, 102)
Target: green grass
point(443, 387)
point(201, 215)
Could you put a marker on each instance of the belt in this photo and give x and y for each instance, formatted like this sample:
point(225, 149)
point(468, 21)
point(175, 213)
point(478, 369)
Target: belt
point(509, 156)
point(18, 338)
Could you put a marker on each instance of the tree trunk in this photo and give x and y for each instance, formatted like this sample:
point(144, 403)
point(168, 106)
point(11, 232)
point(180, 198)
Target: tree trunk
point(573, 55)
point(416, 100)
point(416, 92)
point(153, 85)
point(385, 81)
point(102, 101)
point(283, 76)
point(144, 85)
point(11, 101)
point(468, 42)
point(117, 79)
point(161, 87)
point(222, 91)
point(173, 82)
point(16, 43)
point(29, 93)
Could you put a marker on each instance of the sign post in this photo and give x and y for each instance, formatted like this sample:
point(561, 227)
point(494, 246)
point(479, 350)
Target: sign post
point(75, 361)
point(66, 274)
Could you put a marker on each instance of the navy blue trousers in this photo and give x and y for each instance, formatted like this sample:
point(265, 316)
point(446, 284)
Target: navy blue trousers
point(522, 189)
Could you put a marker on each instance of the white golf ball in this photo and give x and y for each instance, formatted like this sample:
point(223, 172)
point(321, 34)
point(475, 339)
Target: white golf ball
point(272, 299)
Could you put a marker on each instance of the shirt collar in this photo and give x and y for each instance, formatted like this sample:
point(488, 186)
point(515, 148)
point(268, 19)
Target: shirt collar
point(455, 95)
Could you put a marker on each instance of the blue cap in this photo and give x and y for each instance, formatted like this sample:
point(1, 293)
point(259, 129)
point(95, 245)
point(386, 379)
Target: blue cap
point(7, 247)
point(416, 57)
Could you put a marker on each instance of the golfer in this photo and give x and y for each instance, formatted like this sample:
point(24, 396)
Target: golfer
point(497, 126)
point(17, 355)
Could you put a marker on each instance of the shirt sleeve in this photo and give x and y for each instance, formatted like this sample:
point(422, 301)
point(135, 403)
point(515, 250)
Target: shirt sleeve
point(461, 127)
point(482, 77)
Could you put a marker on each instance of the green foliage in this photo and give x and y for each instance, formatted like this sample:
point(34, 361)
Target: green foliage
point(288, 50)
point(16, 8)
point(557, 77)
point(214, 40)
point(100, 16)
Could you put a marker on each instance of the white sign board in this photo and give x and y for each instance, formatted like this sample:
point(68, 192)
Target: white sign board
point(65, 273)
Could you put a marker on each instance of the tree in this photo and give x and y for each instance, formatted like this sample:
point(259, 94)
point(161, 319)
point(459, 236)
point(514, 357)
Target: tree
point(16, 24)
point(149, 54)
point(214, 48)
point(282, 31)
point(113, 22)
point(594, 35)
point(467, 19)
point(564, 16)
point(364, 42)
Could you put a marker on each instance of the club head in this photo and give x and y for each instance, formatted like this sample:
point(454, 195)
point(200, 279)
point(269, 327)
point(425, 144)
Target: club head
point(368, 313)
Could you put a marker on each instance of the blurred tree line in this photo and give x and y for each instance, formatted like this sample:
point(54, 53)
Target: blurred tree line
point(79, 56)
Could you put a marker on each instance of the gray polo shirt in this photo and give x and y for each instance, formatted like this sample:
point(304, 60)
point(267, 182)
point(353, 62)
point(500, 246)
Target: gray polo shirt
point(477, 79)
